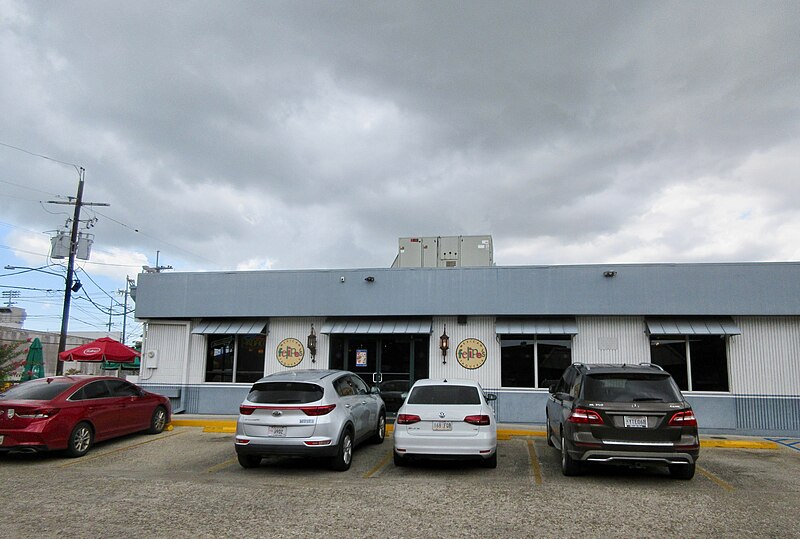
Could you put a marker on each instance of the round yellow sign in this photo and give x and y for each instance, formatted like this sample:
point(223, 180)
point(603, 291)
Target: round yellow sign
point(471, 353)
point(290, 352)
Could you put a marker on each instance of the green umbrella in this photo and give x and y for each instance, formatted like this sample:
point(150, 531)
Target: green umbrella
point(34, 363)
point(112, 366)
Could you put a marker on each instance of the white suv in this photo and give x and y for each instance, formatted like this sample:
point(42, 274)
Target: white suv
point(316, 413)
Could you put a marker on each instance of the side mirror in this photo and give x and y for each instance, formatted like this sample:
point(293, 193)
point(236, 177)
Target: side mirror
point(375, 390)
point(404, 395)
point(490, 397)
point(552, 387)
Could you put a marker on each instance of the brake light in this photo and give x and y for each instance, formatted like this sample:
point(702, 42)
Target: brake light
point(478, 420)
point(683, 419)
point(246, 410)
point(318, 410)
point(41, 413)
point(584, 416)
point(408, 419)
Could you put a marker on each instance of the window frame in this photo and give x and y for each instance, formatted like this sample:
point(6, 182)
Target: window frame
point(210, 338)
point(687, 350)
point(535, 340)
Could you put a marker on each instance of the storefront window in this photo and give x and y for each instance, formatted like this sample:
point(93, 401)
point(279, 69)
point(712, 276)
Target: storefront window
point(235, 358)
point(528, 361)
point(696, 362)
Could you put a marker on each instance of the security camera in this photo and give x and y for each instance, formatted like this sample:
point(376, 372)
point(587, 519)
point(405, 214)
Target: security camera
point(341, 278)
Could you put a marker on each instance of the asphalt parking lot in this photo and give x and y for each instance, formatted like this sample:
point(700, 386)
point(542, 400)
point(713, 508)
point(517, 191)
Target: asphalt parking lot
point(187, 483)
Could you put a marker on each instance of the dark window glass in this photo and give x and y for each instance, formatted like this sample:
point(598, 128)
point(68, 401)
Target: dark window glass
point(250, 358)
point(95, 390)
point(219, 363)
point(516, 362)
point(39, 391)
point(669, 353)
point(554, 355)
point(359, 385)
point(344, 387)
point(121, 388)
point(709, 363)
point(630, 388)
point(285, 393)
point(444, 395)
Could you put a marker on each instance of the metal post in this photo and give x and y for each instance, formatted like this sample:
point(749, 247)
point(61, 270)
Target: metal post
point(125, 307)
point(73, 247)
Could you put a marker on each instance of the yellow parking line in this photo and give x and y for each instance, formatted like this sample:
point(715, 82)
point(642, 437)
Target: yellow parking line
point(221, 465)
point(380, 465)
point(118, 450)
point(722, 483)
point(738, 444)
point(537, 469)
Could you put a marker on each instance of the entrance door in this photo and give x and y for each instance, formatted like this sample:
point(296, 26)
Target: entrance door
point(390, 362)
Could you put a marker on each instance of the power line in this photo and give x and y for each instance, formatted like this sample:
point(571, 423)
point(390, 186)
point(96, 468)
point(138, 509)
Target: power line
point(38, 155)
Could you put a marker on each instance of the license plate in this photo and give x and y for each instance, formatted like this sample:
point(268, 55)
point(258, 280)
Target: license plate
point(636, 421)
point(442, 425)
point(276, 432)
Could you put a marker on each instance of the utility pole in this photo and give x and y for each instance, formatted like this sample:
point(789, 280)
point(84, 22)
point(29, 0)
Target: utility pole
point(126, 293)
point(73, 247)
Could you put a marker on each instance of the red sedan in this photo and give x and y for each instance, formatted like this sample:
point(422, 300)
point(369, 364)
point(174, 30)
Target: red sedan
point(74, 412)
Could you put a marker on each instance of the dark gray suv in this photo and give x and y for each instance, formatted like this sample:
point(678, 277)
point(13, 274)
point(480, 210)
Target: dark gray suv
point(621, 414)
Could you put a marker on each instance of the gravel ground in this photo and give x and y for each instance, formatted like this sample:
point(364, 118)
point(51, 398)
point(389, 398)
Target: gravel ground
point(186, 483)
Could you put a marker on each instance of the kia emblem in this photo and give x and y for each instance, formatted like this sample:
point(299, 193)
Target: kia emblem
point(277, 413)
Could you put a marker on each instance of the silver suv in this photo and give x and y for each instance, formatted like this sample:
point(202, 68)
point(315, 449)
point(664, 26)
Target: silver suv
point(315, 413)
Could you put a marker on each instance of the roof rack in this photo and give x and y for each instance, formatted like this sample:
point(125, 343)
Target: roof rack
point(655, 366)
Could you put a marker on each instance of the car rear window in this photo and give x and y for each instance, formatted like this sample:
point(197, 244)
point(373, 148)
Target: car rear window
point(285, 393)
point(41, 391)
point(444, 395)
point(633, 387)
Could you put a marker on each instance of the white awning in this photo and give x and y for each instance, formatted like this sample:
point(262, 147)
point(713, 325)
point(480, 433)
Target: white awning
point(403, 326)
point(232, 326)
point(692, 326)
point(536, 326)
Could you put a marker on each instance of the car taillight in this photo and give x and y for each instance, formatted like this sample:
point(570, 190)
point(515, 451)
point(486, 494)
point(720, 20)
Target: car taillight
point(408, 419)
point(478, 420)
point(588, 417)
point(318, 410)
point(41, 413)
point(246, 410)
point(683, 419)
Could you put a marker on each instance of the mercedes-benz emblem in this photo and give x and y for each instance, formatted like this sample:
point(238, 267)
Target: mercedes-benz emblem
point(441, 414)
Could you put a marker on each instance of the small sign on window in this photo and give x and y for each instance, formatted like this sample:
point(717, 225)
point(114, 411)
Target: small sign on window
point(361, 358)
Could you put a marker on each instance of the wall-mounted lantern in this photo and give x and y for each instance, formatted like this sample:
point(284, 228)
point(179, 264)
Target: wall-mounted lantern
point(444, 344)
point(311, 344)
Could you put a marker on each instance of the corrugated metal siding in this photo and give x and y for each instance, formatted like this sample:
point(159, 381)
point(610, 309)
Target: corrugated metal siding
point(197, 359)
point(169, 342)
point(537, 326)
point(611, 339)
point(296, 328)
point(765, 358)
point(477, 327)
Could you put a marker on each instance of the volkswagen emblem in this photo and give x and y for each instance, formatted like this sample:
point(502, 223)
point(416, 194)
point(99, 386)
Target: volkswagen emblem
point(441, 414)
point(277, 413)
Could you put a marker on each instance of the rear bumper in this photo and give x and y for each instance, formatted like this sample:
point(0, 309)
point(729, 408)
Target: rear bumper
point(26, 441)
point(484, 445)
point(637, 457)
point(286, 447)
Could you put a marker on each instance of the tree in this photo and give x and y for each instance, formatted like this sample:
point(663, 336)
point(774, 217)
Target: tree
point(11, 359)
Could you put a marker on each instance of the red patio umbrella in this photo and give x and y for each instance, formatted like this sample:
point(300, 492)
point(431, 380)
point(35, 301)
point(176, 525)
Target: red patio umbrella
point(104, 349)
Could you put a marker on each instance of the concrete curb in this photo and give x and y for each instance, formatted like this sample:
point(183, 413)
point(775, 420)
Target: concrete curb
point(228, 426)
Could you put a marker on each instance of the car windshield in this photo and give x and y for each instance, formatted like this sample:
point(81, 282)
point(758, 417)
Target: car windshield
point(39, 391)
point(632, 387)
point(285, 393)
point(444, 394)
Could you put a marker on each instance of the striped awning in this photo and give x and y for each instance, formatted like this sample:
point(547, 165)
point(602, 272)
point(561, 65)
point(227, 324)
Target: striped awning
point(536, 326)
point(250, 326)
point(692, 326)
point(404, 326)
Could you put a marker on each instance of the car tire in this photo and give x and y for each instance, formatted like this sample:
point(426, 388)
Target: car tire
point(491, 462)
point(158, 421)
point(80, 440)
point(249, 461)
point(569, 466)
point(399, 460)
point(344, 453)
point(380, 430)
point(682, 471)
point(549, 434)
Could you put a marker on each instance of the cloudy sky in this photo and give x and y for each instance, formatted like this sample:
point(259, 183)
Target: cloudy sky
point(288, 135)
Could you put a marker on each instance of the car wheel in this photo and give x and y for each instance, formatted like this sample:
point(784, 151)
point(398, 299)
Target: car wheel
point(682, 471)
point(158, 421)
point(80, 440)
point(344, 455)
point(491, 462)
point(249, 461)
point(380, 430)
point(549, 434)
point(399, 460)
point(569, 466)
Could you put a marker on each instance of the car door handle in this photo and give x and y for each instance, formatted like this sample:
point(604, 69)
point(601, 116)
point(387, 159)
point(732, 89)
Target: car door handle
point(363, 402)
point(347, 406)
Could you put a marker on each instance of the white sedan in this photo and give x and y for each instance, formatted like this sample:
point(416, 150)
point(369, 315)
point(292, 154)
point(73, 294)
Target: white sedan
point(448, 419)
